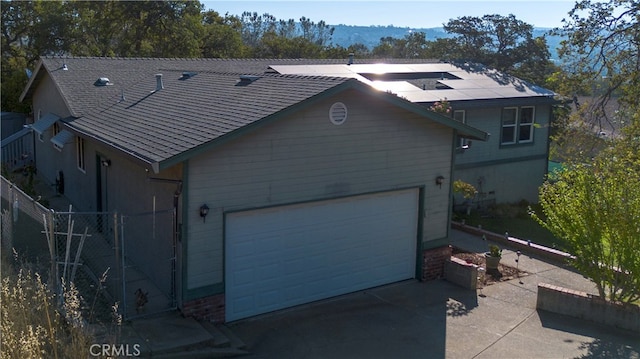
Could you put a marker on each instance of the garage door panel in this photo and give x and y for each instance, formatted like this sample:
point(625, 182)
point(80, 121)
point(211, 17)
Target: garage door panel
point(305, 252)
point(243, 276)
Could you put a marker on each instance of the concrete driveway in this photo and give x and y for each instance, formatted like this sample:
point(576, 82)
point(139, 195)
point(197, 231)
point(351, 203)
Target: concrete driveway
point(437, 319)
point(396, 321)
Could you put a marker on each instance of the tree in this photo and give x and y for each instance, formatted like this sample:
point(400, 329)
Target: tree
point(29, 30)
point(594, 204)
point(317, 33)
point(601, 57)
point(446, 49)
point(97, 29)
point(268, 37)
point(359, 50)
point(160, 29)
point(222, 36)
point(254, 27)
point(501, 42)
point(595, 208)
point(412, 45)
point(273, 46)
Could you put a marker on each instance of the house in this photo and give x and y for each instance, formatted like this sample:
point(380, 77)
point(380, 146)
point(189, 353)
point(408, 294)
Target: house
point(287, 183)
point(512, 164)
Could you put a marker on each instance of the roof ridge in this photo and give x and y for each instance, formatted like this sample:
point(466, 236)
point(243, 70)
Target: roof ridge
point(62, 57)
point(261, 74)
point(335, 61)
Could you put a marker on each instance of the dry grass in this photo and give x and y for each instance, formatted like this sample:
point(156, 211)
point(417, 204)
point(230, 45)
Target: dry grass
point(37, 323)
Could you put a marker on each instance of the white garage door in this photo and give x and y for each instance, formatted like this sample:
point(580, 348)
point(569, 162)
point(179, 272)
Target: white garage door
point(289, 255)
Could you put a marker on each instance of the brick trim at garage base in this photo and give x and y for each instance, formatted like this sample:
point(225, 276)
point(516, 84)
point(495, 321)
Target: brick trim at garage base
point(207, 308)
point(212, 308)
point(433, 261)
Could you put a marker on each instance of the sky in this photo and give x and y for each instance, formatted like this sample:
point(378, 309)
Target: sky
point(412, 14)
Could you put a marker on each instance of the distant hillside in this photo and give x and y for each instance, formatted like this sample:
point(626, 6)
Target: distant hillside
point(345, 35)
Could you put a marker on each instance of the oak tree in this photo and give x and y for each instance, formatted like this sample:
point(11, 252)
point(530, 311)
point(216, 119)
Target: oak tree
point(501, 42)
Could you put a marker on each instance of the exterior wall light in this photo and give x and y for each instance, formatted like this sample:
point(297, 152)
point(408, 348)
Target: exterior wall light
point(204, 210)
point(439, 181)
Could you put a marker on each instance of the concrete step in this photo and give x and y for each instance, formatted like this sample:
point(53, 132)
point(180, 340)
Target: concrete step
point(220, 340)
point(171, 333)
point(206, 353)
point(235, 341)
point(224, 345)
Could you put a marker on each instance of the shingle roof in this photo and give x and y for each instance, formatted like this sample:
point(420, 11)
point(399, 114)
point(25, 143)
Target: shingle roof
point(190, 111)
point(127, 72)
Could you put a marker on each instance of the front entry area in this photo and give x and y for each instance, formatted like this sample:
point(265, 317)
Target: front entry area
point(289, 255)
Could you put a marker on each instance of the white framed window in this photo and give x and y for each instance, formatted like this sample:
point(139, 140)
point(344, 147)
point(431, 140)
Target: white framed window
point(509, 125)
point(518, 125)
point(80, 155)
point(525, 126)
point(460, 116)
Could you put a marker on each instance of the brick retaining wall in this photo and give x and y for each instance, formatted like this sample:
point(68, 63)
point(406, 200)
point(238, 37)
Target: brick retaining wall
point(586, 306)
point(208, 308)
point(433, 262)
point(461, 273)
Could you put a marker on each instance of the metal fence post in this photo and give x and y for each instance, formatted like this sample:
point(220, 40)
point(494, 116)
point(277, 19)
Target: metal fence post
point(119, 251)
point(8, 217)
point(7, 230)
point(53, 247)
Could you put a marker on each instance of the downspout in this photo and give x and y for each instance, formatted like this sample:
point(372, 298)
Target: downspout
point(551, 124)
point(450, 186)
point(176, 240)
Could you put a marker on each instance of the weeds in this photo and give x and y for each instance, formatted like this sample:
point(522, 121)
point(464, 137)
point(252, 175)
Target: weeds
point(35, 322)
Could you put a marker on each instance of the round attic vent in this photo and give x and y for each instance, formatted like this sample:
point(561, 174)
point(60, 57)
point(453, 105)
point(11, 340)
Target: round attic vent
point(338, 113)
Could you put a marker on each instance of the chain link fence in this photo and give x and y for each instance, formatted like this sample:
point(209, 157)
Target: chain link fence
point(111, 258)
point(149, 257)
point(86, 255)
point(23, 223)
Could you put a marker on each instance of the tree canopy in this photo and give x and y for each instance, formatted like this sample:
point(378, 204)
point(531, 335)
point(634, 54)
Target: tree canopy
point(601, 59)
point(501, 42)
point(594, 203)
point(145, 29)
point(595, 208)
point(177, 28)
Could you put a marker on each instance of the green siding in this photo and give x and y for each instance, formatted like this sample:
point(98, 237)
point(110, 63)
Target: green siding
point(305, 157)
point(508, 173)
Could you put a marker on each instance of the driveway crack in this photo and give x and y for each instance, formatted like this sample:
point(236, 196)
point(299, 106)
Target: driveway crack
point(505, 334)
